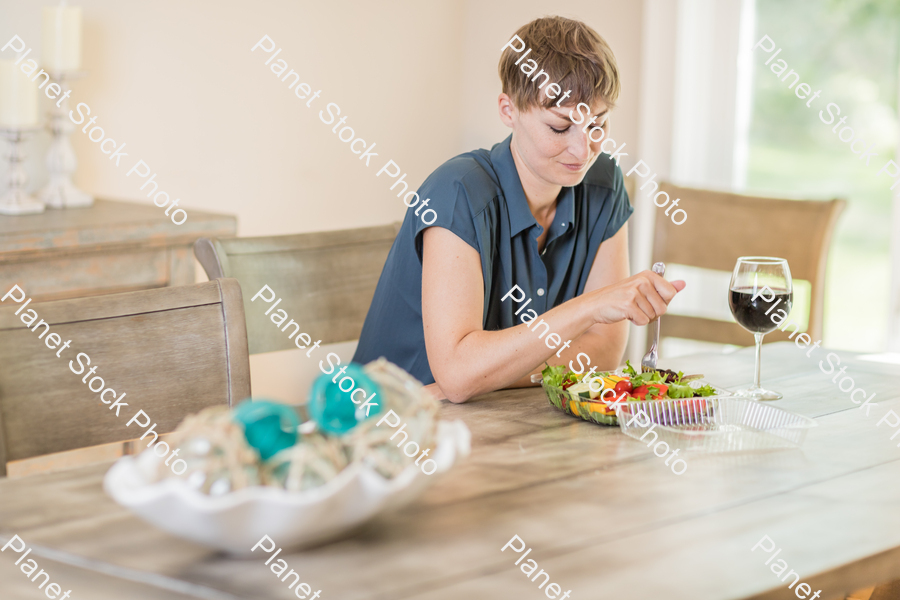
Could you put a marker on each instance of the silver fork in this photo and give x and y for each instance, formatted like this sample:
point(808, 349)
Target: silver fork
point(648, 363)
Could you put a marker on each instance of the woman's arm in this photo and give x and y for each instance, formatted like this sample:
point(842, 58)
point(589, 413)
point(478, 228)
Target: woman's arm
point(604, 343)
point(466, 360)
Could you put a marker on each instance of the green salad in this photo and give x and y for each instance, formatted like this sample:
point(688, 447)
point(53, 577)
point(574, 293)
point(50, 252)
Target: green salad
point(659, 384)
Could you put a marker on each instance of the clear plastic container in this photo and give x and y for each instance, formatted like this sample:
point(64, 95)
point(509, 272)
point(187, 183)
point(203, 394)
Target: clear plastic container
point(714, 424)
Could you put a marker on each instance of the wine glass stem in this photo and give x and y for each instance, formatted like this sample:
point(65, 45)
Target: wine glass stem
point(759, 339)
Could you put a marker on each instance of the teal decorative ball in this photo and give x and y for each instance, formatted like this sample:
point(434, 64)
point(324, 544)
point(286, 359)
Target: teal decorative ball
point(269, 427)
point(336, 402)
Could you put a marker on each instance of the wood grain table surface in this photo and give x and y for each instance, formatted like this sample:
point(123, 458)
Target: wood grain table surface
point(603, 515)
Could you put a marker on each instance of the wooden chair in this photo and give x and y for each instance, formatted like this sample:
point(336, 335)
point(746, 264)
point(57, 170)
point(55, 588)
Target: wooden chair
point(721, 227)
point(326, 280)
point(172, 351)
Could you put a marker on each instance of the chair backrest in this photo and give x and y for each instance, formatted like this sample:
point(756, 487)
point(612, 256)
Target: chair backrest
point(171, 351)
point(326, 280)
point(721, 227)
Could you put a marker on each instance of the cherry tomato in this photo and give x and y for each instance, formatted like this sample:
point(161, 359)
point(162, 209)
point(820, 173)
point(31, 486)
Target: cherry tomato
point(623, 386)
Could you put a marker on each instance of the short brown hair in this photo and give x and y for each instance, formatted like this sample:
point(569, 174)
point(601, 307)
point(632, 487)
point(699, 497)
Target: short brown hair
point(569, 53)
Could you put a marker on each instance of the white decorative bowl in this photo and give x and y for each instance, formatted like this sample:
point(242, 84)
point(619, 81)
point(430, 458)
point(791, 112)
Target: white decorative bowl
point(236, 521)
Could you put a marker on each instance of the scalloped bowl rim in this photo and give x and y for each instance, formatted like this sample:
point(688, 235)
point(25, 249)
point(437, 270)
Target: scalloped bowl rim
point(116, 482)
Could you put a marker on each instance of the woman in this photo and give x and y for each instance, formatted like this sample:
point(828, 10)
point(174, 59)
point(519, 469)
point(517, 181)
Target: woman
point(541, 210)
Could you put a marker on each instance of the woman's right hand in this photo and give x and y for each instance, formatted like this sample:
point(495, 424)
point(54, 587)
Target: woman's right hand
point(640, 299)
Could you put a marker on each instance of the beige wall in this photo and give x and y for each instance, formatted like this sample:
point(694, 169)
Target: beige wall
point(176, 82)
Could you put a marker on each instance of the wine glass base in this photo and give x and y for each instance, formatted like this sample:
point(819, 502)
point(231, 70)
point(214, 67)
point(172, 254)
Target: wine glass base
point(758, 394)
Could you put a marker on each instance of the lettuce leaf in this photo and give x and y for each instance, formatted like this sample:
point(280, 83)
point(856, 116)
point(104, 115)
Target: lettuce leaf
point(554, 376)
point(706, 390)
point(648, 377)
point(680, 391)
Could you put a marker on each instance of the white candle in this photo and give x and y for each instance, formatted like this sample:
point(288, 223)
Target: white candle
point(18, 97)
point(61, 38)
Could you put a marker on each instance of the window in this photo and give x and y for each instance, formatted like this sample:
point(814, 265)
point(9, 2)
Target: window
point(849, 51)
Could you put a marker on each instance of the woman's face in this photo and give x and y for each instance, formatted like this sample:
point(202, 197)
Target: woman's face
point(552, 147)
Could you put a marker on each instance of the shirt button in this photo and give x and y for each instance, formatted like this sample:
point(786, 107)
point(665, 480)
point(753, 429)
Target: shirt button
point(564, 225)
point(540, 291)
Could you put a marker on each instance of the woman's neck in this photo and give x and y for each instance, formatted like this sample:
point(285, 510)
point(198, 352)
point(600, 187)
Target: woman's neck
point(541, 195)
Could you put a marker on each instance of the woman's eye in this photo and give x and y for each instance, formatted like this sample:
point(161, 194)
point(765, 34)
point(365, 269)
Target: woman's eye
point(560, 131)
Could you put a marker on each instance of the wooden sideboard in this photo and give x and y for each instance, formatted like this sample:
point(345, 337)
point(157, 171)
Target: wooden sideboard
point(110, 247)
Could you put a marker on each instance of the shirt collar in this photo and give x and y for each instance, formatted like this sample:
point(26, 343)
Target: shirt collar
point(520, 217)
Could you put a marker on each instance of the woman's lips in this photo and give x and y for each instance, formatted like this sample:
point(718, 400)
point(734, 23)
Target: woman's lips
point(574, 167)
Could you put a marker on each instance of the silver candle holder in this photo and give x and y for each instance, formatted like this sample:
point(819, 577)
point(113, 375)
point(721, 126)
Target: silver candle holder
point(60, 192)
point(15, 201)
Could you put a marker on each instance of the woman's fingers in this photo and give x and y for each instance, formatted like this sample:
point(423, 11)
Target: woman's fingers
point(640, 298)
point(653, 296)
point(658, 304)
point(665, 288)
point(647, 312)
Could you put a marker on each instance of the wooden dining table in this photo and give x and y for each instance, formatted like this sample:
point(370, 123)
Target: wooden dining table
point(603, 516)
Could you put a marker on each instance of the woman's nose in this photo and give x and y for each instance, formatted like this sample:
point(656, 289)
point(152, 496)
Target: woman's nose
point(580, 146)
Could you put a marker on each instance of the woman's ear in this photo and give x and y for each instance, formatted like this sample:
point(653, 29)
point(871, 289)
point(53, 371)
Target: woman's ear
point(507, 110)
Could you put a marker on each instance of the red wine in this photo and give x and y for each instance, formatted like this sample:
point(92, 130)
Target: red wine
point(751, 314)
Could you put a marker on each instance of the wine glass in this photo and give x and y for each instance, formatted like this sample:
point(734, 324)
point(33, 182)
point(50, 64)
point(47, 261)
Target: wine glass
point(760, 292)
